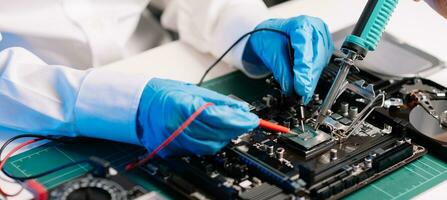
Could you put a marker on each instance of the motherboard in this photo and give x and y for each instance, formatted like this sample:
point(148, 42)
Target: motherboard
point(374, 128)
point(368, 135)
point(377, 124)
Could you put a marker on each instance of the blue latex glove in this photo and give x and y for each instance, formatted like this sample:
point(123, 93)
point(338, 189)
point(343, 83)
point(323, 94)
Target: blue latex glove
point(166, 104)
point(312, 45)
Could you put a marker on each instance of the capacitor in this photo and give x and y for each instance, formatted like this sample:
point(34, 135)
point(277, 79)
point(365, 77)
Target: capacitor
point(270, 150)
point(261, 147)
point(344, 108)
point(368, 162)
point(353, 112)
point(256, 181)
point(280, 153)
point(333, 154)
point(356, 167)
point(302, 115)
point(295, 122)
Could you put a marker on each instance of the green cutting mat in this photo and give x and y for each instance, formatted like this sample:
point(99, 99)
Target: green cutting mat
point(404, 183)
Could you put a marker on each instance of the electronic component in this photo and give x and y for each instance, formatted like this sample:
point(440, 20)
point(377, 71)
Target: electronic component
point(101, 183)
point(302, 114)
point(309, 164)
point(343, 155)
point(353, 112)
point(424, 104)
point(422, 120)
point(304, 143)
point(98, 188)
point(305, 167)
point(309, 138)
point(365, 37)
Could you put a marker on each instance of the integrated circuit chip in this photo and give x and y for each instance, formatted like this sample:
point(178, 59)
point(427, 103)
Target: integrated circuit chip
point(310, 138)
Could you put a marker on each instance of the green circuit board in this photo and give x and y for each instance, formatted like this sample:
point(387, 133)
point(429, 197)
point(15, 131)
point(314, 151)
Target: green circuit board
point(404, 183)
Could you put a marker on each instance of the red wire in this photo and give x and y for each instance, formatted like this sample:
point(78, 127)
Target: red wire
point(3, 162)
point(170, 138)
point(129, 166)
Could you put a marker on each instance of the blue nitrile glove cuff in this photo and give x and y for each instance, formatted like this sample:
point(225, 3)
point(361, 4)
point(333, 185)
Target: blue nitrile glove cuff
point(312, 45)
point(166, 104)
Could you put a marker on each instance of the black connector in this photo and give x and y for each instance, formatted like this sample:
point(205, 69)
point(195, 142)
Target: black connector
point(100, 167)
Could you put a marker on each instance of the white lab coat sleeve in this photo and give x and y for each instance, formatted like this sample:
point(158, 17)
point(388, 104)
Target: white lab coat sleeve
point(52, 99)
point(212, 26)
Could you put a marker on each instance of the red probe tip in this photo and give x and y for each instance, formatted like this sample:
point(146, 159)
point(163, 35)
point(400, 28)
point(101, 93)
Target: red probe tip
point(273, 127)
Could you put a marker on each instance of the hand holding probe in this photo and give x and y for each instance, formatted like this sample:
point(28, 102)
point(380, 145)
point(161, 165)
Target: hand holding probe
point(365, 37)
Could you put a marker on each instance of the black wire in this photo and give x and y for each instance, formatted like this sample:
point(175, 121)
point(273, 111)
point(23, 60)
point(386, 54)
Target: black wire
point(23, 178)
point(289, 47)
point(48, 137)
point(55, 138)
point(3, 147)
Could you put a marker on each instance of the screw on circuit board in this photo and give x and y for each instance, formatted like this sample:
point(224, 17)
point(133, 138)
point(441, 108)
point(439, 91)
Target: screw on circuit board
point(333, 154)
point(280, 153)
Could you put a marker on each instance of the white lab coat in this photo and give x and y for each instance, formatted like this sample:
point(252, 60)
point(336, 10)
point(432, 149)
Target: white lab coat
point(55, 85)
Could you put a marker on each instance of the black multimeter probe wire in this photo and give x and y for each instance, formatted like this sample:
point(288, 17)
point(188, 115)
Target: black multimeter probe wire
point(290, 52)
point(286, 35)
point(60, 139)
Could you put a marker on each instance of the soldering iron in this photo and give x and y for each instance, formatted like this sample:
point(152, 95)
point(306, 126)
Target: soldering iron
point(365, 37)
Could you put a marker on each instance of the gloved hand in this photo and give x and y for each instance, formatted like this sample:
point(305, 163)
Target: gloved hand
point(312, 45)
point(166, 104)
